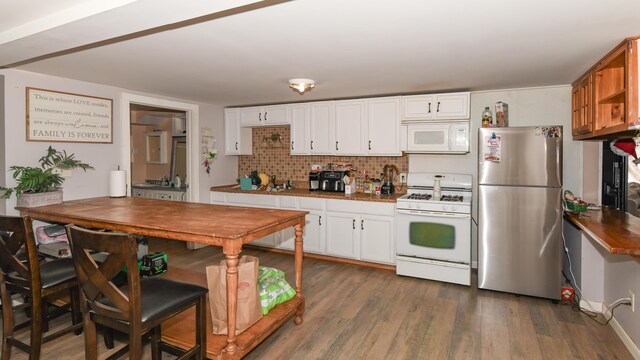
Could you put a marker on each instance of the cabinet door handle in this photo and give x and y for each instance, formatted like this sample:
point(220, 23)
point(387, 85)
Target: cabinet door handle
point(369, 144)
point(260, 117)
point(361, 224)
point(429, 112)
point(438, 108)
point(320, 220)
point(265, 116)
point(354, 224)
point(236, 145)
point(336, 145)
point(311, 144)
point(292, 145)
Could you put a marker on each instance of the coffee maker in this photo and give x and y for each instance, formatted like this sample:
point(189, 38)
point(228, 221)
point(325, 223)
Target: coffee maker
point(332, 180)
point(314, 181)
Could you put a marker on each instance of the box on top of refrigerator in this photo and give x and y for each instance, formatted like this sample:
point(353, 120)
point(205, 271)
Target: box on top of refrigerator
point(502, 114)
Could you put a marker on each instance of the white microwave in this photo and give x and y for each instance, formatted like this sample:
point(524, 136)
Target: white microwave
point(438, 137)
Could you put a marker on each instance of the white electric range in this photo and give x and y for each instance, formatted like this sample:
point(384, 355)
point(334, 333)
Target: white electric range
point(433, 235)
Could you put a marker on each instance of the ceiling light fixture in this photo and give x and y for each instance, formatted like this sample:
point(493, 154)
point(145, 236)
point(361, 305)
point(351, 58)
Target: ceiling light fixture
point(301, 85)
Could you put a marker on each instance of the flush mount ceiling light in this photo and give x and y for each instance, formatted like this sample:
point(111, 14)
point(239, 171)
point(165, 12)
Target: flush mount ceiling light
point(301, 85)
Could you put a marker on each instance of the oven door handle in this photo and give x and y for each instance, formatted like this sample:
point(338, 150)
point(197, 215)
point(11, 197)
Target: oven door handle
point(435, 214)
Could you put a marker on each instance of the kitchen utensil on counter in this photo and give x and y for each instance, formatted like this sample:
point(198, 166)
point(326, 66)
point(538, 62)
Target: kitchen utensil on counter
point(255, 179)
point(314, 181)
point(389, 173)
point(332, 180)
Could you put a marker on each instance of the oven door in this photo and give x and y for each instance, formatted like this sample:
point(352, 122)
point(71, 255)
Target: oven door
point(434, 235)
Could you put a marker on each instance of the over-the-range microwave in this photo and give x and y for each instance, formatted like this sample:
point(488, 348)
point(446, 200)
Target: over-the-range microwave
point(438, 137)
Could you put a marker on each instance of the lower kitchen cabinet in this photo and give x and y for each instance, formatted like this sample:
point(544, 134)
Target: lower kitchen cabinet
point(351, 229)
point(377, 238)
point(342, 236)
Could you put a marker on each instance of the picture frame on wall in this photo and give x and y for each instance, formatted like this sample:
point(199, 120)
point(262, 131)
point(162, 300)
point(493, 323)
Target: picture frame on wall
point(55, 116)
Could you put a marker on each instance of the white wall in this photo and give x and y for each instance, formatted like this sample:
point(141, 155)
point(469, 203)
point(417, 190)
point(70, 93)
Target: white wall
point(3, 144)
point(527, 107)
point(104, 157)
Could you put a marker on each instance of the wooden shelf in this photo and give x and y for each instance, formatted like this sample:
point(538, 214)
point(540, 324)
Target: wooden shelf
point(615, 98)
point(616, 231)
point(179, 330)
point(617, 62)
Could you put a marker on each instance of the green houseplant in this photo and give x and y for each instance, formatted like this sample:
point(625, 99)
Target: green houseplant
point(43, 179)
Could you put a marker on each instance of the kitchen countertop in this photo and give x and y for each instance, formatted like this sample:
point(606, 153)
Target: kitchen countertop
point(616, 231)
point(315, 194)
point(161, 188)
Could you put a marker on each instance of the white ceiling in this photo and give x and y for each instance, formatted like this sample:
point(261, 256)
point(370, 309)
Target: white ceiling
point(350, 47)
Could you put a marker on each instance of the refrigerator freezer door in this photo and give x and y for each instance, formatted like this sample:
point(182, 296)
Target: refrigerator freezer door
point(520, 239)
point(527, 157)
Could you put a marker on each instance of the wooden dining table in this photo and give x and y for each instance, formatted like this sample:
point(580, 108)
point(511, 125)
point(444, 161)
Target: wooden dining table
point(226, 226)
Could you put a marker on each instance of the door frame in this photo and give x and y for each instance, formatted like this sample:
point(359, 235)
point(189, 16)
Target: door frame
point(192, 119)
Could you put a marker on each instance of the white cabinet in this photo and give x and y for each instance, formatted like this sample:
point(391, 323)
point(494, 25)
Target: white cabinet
point(360, 230)
point(342, 236)
point(299, 116)
point(436, 106)
point(264, 116)
point(383, 121)
point(350, 127)
point(321, 128)
point(179, 125)
point(377, 235)
point(237, 140)
point(366, 232)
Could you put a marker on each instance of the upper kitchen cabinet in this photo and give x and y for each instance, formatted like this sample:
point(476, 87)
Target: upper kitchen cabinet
point(582, 98)
point(237, 140)
point(350, 127)
point(605, 99)
point(264, 116)
point(383, 127)
point(321, 128)
point(436, 106)
point(299, 116)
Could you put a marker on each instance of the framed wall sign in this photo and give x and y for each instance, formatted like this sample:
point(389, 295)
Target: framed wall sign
point(64, 117)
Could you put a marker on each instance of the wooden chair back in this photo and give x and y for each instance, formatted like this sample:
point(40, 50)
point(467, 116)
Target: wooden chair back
point(95, 279)
point(17, 234)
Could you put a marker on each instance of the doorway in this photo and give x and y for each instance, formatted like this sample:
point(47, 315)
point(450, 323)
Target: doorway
point(148, 113)
point(158, 144)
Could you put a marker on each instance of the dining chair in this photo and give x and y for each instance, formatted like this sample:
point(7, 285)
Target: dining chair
point(23, 273)
point(137, 308)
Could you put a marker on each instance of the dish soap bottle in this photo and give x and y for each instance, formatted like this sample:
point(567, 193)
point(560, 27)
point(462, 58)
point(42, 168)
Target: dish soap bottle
point(487, 117)
point(178, 181)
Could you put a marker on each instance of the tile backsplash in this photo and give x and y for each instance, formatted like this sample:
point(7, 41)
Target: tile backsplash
point(277, 161)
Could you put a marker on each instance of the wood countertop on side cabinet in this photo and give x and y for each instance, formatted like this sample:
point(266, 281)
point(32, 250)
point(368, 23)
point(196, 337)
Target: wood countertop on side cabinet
point(616, 231)
point(316, 194)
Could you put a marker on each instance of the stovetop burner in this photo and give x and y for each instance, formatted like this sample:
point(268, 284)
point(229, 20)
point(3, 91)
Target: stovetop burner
point(417, 196)
point(451, 198)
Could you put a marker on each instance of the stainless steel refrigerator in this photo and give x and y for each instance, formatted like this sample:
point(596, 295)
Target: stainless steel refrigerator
point(520, 210)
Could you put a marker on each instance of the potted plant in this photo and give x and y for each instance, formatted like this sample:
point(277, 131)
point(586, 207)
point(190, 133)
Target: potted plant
point(38, 186)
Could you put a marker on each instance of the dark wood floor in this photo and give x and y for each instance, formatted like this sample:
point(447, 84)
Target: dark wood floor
point(362, 313)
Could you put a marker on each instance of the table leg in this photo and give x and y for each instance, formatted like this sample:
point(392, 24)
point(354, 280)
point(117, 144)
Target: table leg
point(298, 259)
point(232, 300)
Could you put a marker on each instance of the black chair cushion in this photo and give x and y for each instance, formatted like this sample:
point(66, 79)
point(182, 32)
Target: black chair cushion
point(52, 272)
point(162, 297)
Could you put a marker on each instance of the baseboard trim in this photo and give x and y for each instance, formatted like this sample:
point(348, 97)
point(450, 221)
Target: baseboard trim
point(619, 330)
point(626, 340)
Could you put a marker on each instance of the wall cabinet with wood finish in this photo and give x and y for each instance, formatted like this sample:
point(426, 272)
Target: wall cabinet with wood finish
point(605, 99)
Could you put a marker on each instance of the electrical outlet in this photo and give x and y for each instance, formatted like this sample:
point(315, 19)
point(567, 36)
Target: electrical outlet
point(403, 178)
point(633, 301)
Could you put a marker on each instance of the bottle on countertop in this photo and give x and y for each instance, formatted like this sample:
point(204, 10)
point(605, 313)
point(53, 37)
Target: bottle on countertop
point(487, 117)
point(178, 181)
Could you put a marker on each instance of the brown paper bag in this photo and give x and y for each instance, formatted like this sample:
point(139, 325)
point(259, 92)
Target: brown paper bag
point(248, 311)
